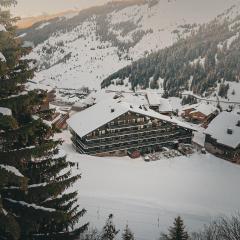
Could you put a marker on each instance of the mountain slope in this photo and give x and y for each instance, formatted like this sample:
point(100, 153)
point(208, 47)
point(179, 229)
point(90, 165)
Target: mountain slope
point(205, 63)
point(86, 48)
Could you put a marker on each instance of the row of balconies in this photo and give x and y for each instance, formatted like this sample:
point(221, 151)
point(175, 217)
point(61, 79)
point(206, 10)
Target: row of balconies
point(129, 142)
point(127, 145)
point(130, 137)
point(131, 130)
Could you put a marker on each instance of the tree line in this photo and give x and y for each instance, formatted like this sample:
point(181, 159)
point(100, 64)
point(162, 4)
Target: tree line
point(199, 62)
point(222, 228)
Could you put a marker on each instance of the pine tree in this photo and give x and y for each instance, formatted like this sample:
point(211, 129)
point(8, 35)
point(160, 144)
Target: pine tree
point(176, 232)
point(127, 234)
point(109, 230)
point(34, 173)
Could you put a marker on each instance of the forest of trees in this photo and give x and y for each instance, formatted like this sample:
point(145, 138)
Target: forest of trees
point(206, 58)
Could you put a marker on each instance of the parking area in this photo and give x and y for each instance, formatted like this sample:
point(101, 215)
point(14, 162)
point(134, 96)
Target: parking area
point(167, 153)
point(161, 155)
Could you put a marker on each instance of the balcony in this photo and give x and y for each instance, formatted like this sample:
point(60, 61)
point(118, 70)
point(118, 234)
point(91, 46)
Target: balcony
point(136, 131)
point(128, 146)
point(117, 139)
point(132, 143)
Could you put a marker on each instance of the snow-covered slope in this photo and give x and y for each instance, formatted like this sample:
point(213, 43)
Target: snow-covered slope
point(148, 196)
point(85, 49)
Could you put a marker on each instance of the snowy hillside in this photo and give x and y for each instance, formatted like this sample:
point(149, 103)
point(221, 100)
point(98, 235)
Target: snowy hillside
point(148, 196)
point(84, 49)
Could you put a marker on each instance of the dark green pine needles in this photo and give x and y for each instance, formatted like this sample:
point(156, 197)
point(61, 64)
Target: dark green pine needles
point(34, 173)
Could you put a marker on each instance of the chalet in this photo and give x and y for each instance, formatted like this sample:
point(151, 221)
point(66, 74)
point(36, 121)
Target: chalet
point(113, 127)
point(199, 113)
point(83, 104)
point(161, 105)
point(223, 136)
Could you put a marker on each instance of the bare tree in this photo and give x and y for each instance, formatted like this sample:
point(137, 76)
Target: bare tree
point(224, 228)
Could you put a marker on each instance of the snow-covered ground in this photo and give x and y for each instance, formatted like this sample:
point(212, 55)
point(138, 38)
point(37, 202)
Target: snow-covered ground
point(78, 57)
point(148, 196)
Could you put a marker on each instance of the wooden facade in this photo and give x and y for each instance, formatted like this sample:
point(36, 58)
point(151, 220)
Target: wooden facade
point(131, 132)
point(197, 116)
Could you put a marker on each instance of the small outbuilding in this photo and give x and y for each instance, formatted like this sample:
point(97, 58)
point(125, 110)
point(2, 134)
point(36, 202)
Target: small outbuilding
point(199, 113)
point(223, 136)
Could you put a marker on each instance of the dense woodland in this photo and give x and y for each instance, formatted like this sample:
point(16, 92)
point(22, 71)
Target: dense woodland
point(199, 62)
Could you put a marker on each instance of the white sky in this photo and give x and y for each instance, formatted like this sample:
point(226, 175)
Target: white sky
point(26, 8)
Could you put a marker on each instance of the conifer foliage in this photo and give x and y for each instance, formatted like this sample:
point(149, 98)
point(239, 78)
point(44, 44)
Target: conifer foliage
point(109, 230)
point(34, 173)
point(127, 234)
point(177, 231)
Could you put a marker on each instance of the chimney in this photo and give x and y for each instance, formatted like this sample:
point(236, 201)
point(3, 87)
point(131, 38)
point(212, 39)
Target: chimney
point(229, 131)
point(112, 110)
point(238, 123)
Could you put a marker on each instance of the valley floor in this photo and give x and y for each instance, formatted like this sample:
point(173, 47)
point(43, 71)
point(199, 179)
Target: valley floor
point(148, 196)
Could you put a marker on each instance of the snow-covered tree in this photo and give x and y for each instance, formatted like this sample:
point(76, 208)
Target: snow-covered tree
point(109, 230)
point(127, 234)
point(177, 231)
point(34, 174)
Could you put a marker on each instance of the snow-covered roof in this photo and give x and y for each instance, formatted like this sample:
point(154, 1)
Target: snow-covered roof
point(36, 85)
point(153, 99)
point(218, 129)
point(2, 58)
point(165, 105)
point(106, 111)
point(202, 107)
point(2, 28)
point(85, 102)
point(28, 44)
point(5, 111)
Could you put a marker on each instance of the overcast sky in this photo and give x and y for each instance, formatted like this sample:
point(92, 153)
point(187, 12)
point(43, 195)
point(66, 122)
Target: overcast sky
point(26, 8)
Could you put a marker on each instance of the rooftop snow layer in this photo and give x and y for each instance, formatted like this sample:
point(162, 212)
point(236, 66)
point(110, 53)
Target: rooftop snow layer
point(165, 105)
point(202, 107)
point(153, 99)
point(219, 126)
point(102, 113)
